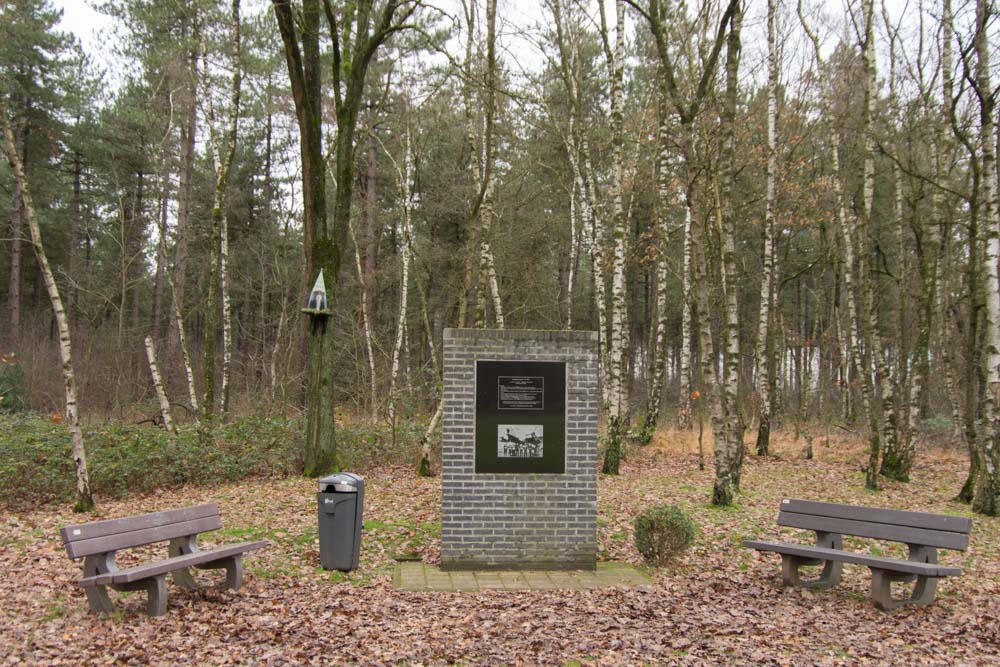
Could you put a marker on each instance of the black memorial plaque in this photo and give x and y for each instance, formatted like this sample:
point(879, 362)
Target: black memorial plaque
point(520, 417)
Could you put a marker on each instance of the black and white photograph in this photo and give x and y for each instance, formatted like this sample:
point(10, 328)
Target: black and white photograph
point(520, 441)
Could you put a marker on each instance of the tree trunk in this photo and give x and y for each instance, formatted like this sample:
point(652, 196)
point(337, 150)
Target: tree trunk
point(161, 394)
point(686, 364)
point(366, 331)
point(218, 287)
point(618, 340)
point(405, 177)
point(16, 233)
point(178, 324)
point(767, 268)
point(84, 496)
point(729, 448)
point(987, 496)
point(188, 133)
point(659, 344)
point(76, 219)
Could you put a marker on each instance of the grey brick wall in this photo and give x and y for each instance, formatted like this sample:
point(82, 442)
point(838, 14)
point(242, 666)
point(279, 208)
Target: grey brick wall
point(519, 520)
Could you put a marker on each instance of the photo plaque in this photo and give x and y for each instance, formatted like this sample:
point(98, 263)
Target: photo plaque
point(520, 417)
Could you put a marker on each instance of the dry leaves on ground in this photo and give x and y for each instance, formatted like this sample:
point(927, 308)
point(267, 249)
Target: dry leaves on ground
point(720, 604)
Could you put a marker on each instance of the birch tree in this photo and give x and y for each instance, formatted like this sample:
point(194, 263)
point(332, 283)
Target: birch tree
point(568, 35)
point(617, 406)
point(987, 493)
point(84, 496)
point(223, 150)
point(726, 416)
point(404, 180)
point(764, 346)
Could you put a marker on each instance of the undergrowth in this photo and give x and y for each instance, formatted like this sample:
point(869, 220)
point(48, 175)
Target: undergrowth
point(36, 465)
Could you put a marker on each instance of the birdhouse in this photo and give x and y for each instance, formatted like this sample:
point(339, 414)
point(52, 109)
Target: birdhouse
point(317, 306)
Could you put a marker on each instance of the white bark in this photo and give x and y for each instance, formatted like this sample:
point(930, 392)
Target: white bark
point(571, 273)
point(84, 497)
point(578, 154)
point(227, 318)
point(182, 341)
point(987, 496)
point(766, 288)
point(663, 203)
point(425, 448)
point(617, 392)
point(223, 160)
point(365, 326)
point(684, 411)
point(404, 178)
point(161, 394)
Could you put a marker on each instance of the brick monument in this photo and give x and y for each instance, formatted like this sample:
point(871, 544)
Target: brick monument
point(519, 450)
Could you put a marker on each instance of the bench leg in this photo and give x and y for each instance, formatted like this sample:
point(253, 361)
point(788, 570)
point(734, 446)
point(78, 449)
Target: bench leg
point(234, 570)
point(99, 600)
point(923, 591)
point(181, 546)
point(156, 593)
point(830, 576)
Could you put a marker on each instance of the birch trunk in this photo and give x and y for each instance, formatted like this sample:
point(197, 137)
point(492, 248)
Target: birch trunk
point(188, 133)
point(873, 337)
point(84, 496)
point(76, 220)
point(227, 318)
point(178, 323)
point(578, 154)
point(659, 343)
point(618, 401)
point(405, 176)
point(987, 494)
point(686, 365)
point(482, 158)
point(617, 406)
point(897, 460)
point(161, 394)
point(218, 279)
point(592, 224)
point(573, 242)
point(16, 234)
point(729, 447)
point(366, 328)
point(763, 379)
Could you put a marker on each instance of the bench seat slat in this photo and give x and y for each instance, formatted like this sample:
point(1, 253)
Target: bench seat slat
point(822, 553)
point(879, 531)
point(135, 538)
point(88, 531)
point(148, 570)
point(925, 520)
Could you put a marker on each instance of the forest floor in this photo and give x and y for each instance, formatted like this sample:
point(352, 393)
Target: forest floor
point(718, 604)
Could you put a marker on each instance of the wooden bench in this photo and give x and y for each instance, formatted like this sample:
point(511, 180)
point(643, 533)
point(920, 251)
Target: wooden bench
point(923, 534)
point(97, 543)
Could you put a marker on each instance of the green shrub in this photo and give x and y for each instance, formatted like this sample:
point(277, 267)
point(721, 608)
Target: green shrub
point(662, 533)
point(11, 385)
point(36, 465)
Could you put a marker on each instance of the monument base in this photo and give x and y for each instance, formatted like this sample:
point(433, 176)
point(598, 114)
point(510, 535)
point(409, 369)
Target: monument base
point(466, 565)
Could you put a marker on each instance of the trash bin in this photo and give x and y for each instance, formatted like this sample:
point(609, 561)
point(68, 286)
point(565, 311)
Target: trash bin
point(340, 500)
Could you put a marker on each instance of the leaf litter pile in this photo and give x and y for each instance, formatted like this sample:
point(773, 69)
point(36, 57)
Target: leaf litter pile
point(717, 604)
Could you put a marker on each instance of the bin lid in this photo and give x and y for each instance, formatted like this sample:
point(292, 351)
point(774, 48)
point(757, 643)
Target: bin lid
point(345, 482)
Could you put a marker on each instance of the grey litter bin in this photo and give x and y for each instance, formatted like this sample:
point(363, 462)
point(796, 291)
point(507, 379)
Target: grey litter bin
point(341, 501)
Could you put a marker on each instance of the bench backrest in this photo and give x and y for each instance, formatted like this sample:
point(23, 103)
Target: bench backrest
point(933, 530)
point(99, 537)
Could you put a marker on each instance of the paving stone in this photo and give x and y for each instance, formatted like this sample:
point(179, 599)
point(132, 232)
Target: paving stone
point(422, 577)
